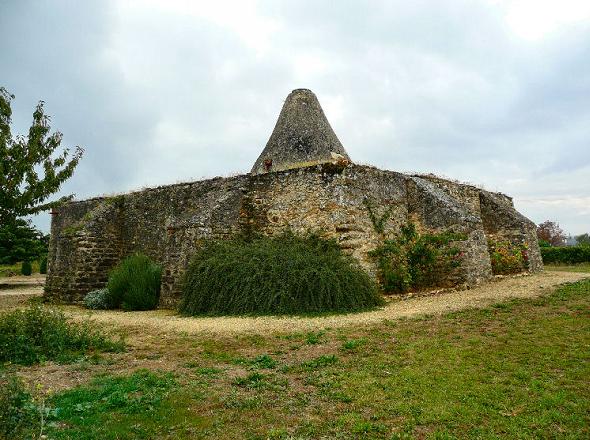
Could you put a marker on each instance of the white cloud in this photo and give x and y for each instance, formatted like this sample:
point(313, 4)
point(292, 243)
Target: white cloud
point(534, 20)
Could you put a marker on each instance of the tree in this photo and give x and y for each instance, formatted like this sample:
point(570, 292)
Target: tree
point(31, 168)
point(551, 232)
point(19, 241)
point(583, 240)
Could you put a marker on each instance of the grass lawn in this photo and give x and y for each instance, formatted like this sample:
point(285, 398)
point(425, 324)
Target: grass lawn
point(519, 369)
point(582, 267)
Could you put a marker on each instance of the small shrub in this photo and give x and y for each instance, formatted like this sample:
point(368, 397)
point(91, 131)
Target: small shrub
point(281, 275)
point(43, 266)
point(37, 334)
point(566, 254)
point(97, 299)
point(26, 268)
point(134, 284)
point(16, 407)
point(507, 258)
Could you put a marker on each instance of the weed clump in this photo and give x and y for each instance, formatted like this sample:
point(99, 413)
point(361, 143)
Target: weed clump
point(134, 284)
point(38, 334)
point(16, 412)
point(280, 275)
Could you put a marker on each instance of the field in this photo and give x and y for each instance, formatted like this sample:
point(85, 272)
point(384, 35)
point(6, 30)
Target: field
point(582, 267)
point(437, 367)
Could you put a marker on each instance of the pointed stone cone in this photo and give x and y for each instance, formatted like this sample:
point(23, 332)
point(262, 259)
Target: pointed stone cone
point(302, 137)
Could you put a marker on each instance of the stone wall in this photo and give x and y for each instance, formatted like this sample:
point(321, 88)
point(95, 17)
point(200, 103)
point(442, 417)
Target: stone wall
point(168, 223)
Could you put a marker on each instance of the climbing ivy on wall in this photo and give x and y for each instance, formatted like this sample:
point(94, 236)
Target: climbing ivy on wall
point(411, 260)
point(378, 221)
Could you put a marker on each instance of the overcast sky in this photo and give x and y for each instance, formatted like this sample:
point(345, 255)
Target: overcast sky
point(495, 93)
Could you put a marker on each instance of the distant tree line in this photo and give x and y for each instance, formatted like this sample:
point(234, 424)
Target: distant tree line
point(552, 240)
point(550, 234)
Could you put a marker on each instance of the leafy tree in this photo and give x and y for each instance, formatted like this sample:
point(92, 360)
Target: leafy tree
point(551, 232)
point(31, 168)
point(583, 239)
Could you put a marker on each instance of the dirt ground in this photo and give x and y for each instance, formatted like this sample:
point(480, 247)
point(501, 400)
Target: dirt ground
point(498, 290)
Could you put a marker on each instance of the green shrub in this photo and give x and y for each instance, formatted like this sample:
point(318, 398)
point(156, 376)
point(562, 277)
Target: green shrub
point(43, 266)
point(16, 407)
point(37, 334)
point(507, 257)
point(26, 268)
point(281, 275)
point(97, 299)
point(566, 255)
point(134, 284)
point(413, 260)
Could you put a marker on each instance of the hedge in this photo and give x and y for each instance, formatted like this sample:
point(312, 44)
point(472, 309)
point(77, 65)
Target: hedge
point(565, 255)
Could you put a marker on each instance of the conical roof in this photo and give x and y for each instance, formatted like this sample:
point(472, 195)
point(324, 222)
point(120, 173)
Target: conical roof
point(302, 137)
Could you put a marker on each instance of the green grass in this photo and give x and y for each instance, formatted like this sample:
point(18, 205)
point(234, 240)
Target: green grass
point(519, 369)
point(582, 267)
point(118, 399)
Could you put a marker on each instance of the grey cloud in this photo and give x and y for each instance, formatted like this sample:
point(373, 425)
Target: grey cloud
point(157, 97)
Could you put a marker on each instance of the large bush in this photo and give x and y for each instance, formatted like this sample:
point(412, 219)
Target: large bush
point(566, 255)
point(37, 334)
point(282, 275)
point(134, 284)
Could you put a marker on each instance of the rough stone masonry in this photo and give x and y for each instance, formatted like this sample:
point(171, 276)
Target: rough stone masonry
point(303, 181)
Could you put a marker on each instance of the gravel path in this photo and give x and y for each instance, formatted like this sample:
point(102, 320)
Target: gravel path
point(15, 291)
point(489, 293)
